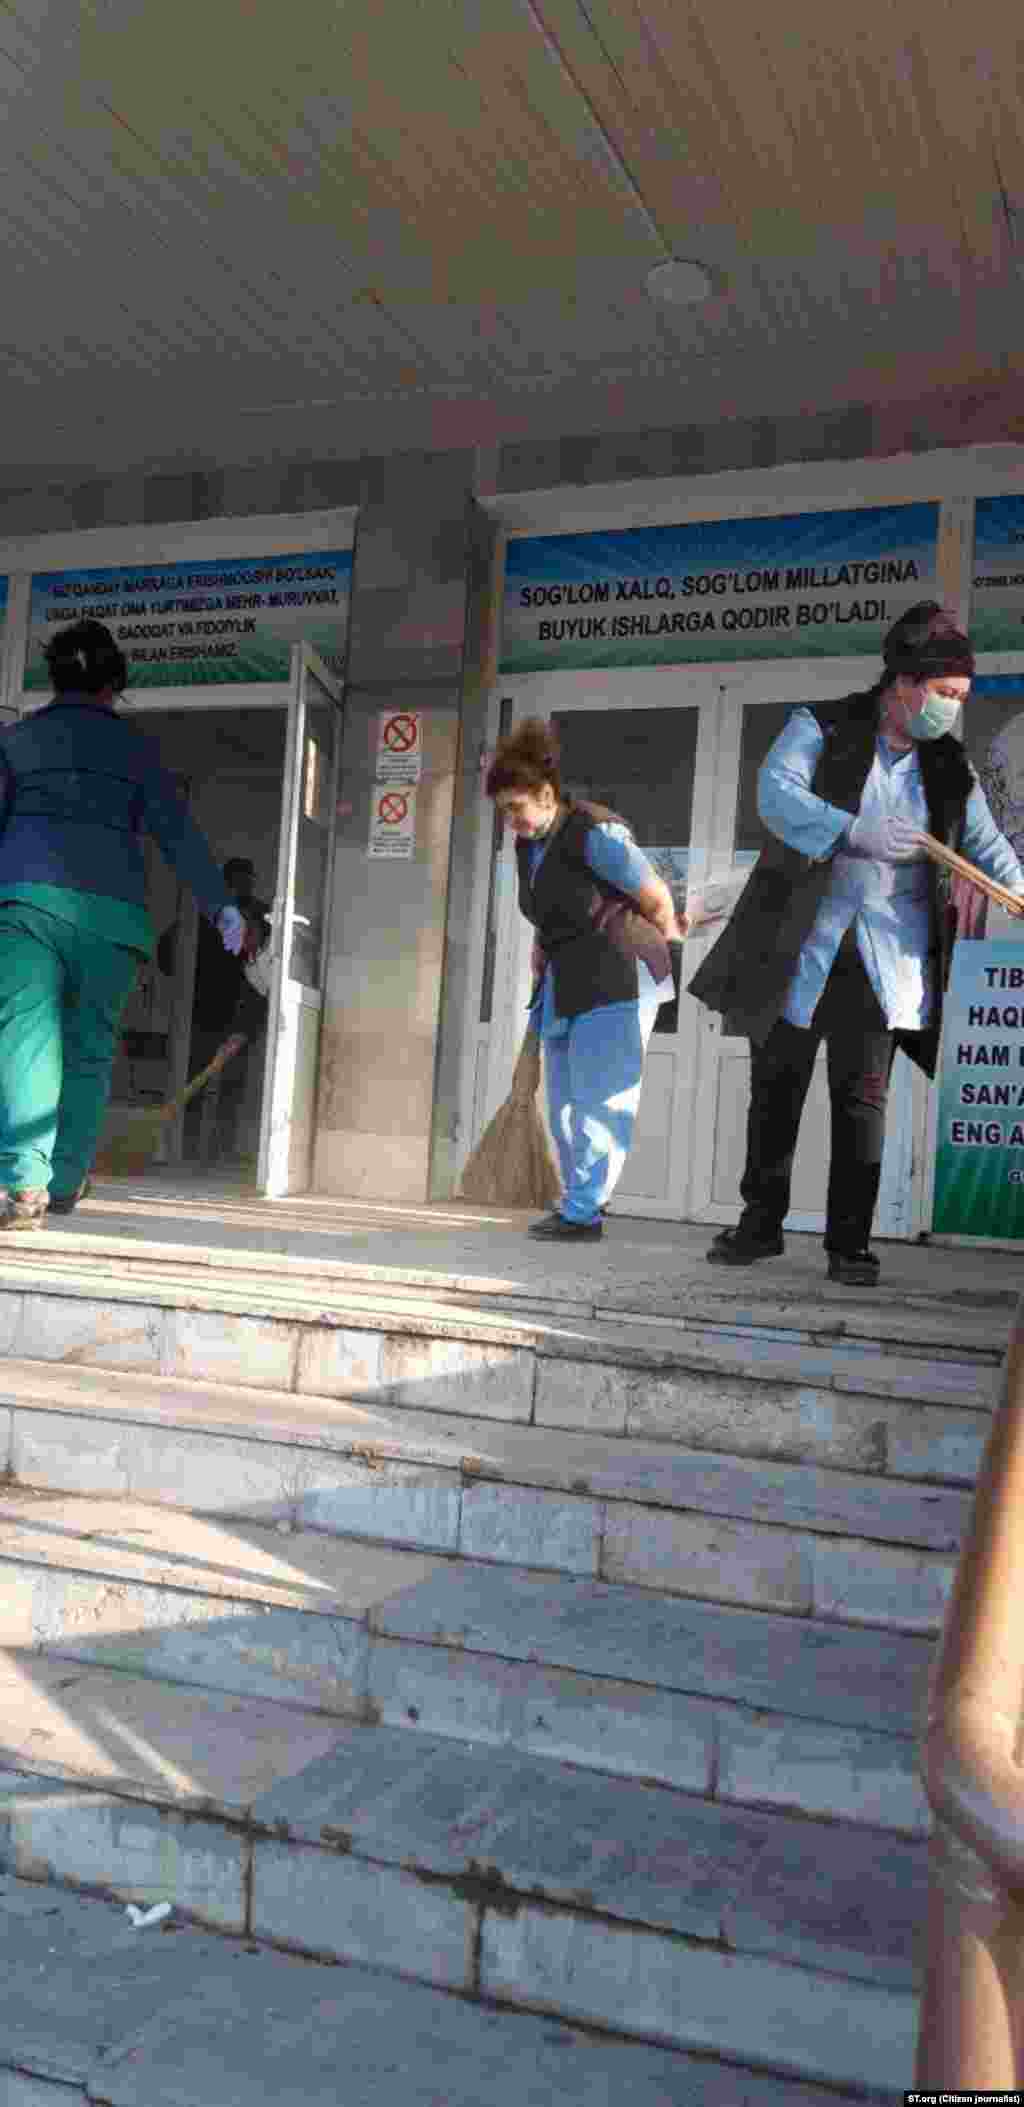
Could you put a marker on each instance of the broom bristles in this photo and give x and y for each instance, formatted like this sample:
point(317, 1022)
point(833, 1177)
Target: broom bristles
point(128, 1154)
point(513, 1164)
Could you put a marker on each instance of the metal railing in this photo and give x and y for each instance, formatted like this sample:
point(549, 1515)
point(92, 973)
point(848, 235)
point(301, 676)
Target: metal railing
point(971, 2028)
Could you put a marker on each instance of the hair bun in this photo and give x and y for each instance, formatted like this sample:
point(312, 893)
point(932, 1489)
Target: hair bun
point(526, 758)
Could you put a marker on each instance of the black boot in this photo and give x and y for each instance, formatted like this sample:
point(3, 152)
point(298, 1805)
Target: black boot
point(556, 1225)
point(854, 1269)
point(65, 1203)
point(743, 1246)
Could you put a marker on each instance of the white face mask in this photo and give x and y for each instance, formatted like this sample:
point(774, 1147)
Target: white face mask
point(937, 715)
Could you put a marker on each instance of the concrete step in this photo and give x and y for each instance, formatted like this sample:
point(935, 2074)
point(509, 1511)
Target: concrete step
point(785, 1943)
point(767, 1710)
point(855, 1404)
point(744, 1706)
point(767, 1533)
point(95, 2011)
point(121, 1303)
point(481, 1259)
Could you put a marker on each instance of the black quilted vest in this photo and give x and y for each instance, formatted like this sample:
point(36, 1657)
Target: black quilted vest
point(591, 934)
point(747, 973)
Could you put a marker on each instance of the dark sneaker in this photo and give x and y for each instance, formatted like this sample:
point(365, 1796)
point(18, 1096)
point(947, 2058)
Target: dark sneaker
point(556, 1225)
point(65, 1203)
point(855, 1269)
point(737, 1247)
point(26, 1209)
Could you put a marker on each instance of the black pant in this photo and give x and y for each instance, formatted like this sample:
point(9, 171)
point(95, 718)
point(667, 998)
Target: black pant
point(860, 1050)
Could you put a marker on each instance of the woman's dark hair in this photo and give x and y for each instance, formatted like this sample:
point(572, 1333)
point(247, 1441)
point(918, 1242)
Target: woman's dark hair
point(927, 642)
point(84, 659)
point(526, 759)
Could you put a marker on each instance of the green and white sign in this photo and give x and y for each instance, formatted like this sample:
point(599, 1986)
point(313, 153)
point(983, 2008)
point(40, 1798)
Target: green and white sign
point(997, 603)
point(807, 585)
point(979, 1163)
point(212, 624)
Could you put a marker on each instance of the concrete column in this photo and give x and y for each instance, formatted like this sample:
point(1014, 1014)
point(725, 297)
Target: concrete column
point(484, 583)
point(421, 577)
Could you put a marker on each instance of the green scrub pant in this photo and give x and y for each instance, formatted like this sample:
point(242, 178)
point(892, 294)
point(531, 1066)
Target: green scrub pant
point(62, 992)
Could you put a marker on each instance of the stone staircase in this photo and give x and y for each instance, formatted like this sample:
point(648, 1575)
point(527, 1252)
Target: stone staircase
point(534, 1656)
point(97, 2012)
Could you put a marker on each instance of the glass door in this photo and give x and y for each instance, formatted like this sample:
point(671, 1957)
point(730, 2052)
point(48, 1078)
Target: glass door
point(299, 927)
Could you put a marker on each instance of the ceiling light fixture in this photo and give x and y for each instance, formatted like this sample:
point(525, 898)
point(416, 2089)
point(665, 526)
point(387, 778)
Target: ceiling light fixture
point(276, 409)
point(679, 282)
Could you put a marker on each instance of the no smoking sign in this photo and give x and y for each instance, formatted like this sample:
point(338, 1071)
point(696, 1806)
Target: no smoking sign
point(392, 822)
point(399, 746)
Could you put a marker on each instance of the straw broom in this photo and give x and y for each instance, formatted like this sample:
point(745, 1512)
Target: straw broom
point(959, 867)
point(512, 1164)
point(129, 1153)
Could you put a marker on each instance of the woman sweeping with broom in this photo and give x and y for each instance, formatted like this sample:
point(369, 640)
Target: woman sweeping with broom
point(602, 966)
point(79, 788)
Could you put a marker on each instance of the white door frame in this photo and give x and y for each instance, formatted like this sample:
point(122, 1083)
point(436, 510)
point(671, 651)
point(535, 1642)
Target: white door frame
point(722, 691)
point(497, 1045)
point(289, 998)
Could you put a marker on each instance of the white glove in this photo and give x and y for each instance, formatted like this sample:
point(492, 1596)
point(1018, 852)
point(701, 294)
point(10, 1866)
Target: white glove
point(884, 840)
point(232, 929)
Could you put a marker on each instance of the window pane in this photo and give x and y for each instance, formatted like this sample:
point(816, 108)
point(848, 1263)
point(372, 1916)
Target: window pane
point(762, 723)
point(993, 727)
point(314, 840)
point(641, 763)
point(993, 734)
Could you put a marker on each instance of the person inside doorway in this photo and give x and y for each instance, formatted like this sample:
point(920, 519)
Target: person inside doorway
point(602, 968)
point(844, 932)
point(224, 1005)
point(80, 787)
point(240, 879)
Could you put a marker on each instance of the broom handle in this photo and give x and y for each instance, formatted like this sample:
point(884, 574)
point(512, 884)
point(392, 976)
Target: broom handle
point(939, 853)
point(223, 1055)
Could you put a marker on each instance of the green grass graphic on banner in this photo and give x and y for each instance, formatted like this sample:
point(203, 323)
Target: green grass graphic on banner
point(859, 640)
point(802, 585)
point(997, 601)
point(979, 1160)
point(216, 623)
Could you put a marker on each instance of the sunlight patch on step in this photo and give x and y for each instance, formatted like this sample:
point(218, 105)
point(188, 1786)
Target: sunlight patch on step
point(137, 1745)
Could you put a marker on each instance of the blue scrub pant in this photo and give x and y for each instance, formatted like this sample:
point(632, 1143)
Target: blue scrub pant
point(593, 1074)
